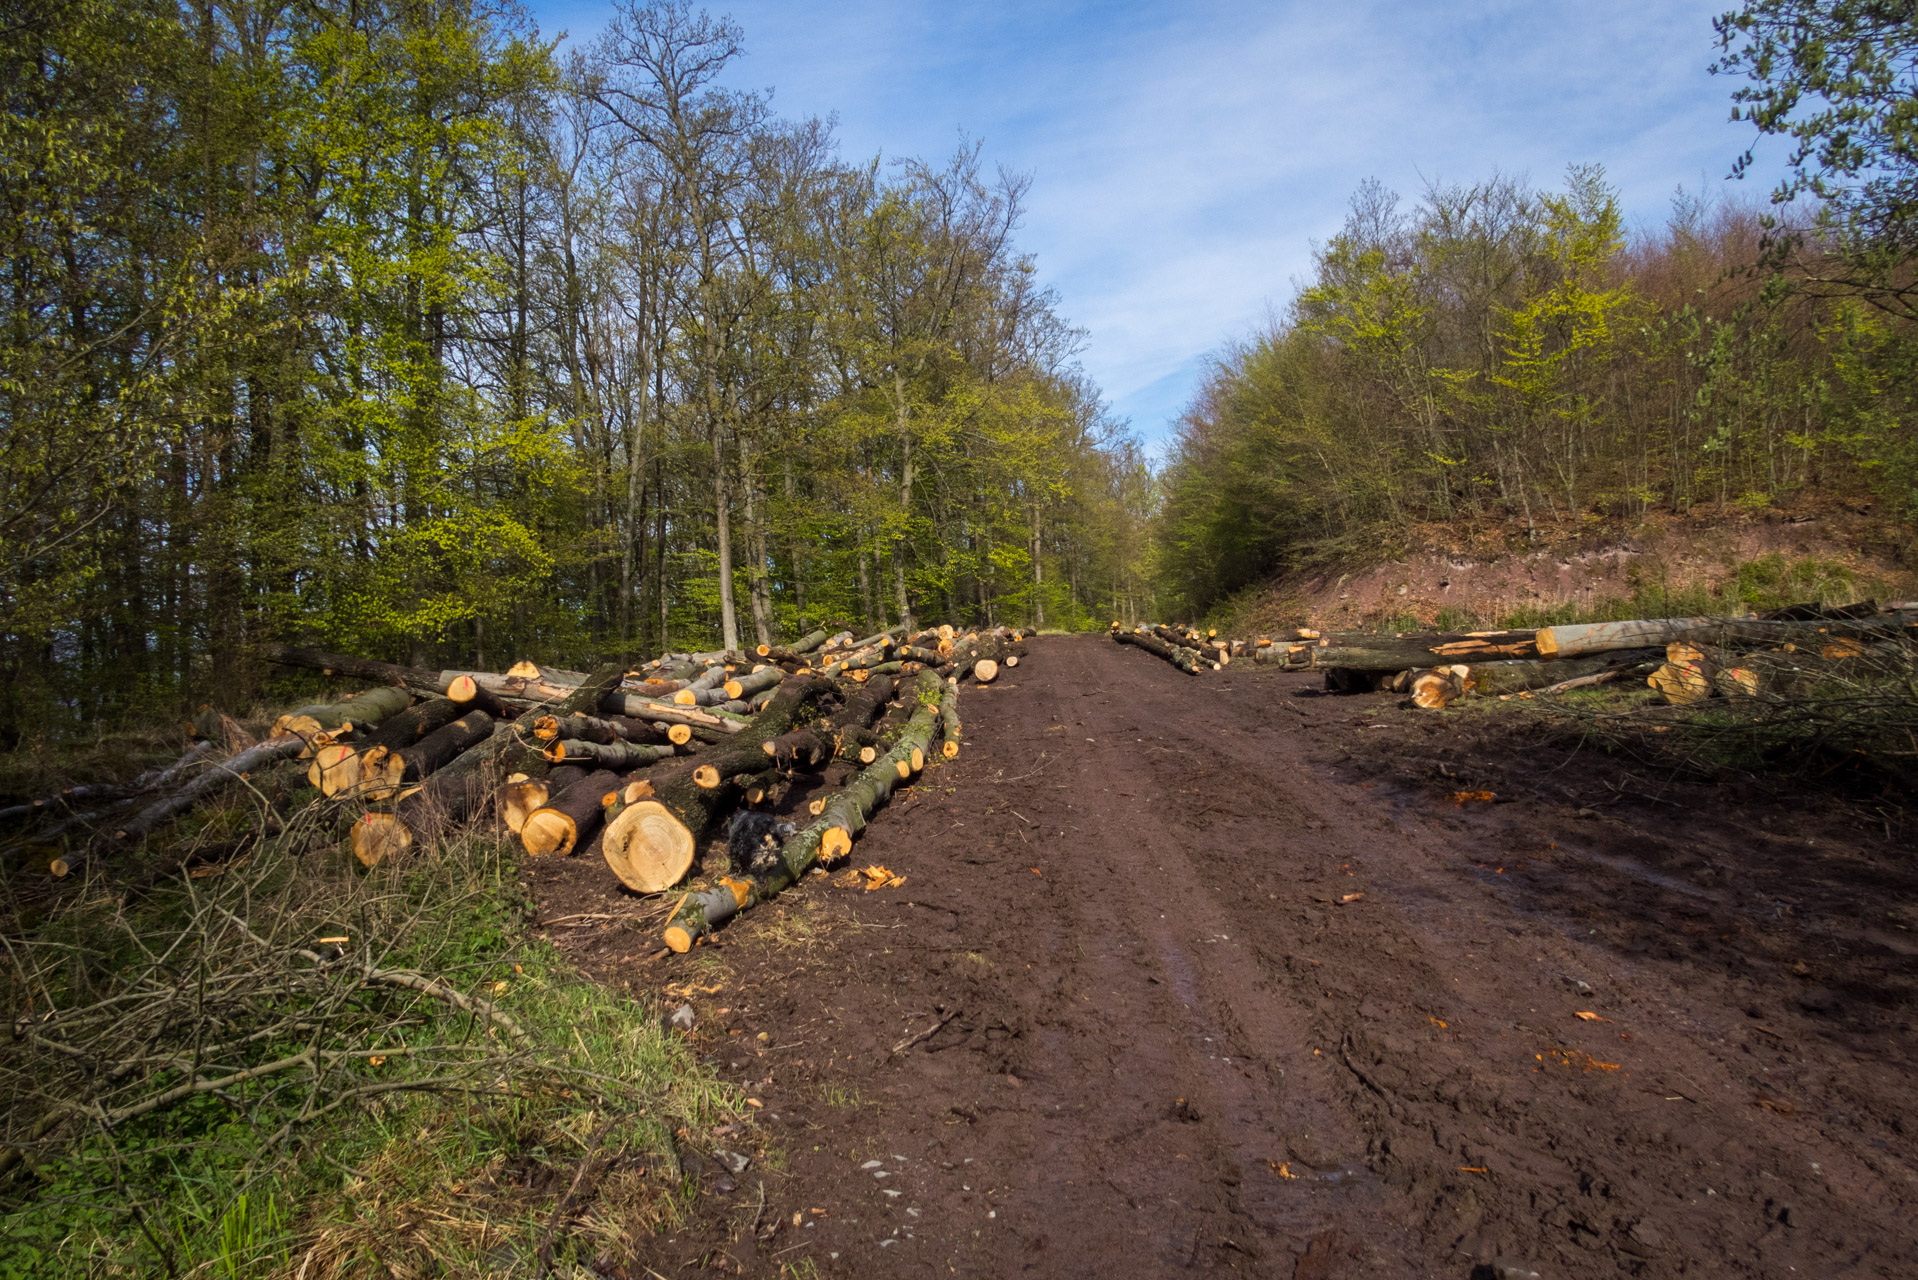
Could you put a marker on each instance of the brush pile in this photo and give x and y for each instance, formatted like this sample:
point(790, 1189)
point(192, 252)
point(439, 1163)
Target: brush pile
point(1782, 655)
point(642, 765)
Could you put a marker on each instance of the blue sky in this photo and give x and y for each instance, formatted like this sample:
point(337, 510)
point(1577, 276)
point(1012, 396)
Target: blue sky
point(1187, 156)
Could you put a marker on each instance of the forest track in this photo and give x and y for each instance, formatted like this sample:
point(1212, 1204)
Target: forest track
point(1169, 1044)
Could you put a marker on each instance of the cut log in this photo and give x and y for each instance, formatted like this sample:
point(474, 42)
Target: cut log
point(1182, 658)
point(700, 795)
point(1598, 637)
point(379, 836)
point(985, 671)
point(1682, 684)
point(518, 799)
point(841, 818)
point(409, 726)
point(1490, 679)
point(648, 848)
point(949, 721)
point(1436, 688)
point(362, 668)
point(640, 708)
point(431, 753)
point(335, 768)
point(559, 826)
point(536, 689)
point(608, 755)
point(758, 682)
point(366, 710)
point(466, 692)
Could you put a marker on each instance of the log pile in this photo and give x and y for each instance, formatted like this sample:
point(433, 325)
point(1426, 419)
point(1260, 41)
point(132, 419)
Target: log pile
point(643, 764)
point(1685, 660)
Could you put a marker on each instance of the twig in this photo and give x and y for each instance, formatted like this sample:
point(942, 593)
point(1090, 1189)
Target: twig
point(925, 1035)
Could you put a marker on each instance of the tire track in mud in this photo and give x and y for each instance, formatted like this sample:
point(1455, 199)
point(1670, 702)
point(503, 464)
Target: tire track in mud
point(1171, 1046)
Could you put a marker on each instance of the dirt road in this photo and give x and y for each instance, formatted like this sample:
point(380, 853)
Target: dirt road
point(1213, 974)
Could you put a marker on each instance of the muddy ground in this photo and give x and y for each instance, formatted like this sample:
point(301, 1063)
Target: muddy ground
point(1215, 974)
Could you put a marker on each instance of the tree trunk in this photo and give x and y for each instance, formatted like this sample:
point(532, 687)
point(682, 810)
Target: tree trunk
point(1182, 658)
point(342, 664)
point(699, 795)
point(1488, 679)
point(830, 834)
point(366, 709)
point(1599, 637)
point(569, 818)
point(608, 755)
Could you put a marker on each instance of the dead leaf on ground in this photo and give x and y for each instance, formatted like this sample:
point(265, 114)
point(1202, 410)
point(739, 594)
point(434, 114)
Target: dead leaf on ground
point(1584, 1016)
point(1463, 798)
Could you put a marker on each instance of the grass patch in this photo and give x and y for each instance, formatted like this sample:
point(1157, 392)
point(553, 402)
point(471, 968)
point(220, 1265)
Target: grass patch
point(201, 1086)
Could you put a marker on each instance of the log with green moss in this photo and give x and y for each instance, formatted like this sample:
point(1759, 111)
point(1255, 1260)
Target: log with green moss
point(1182, 658)
point(699, 795)
point(831, 834)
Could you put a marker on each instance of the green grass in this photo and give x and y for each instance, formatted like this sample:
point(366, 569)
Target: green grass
point(454, 1171)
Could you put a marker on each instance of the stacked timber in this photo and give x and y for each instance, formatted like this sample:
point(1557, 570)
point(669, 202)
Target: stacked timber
point(1683, 659)
point(645, 763)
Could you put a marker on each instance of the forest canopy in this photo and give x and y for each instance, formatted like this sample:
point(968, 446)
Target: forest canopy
point(1504, 357)
point(391, 324)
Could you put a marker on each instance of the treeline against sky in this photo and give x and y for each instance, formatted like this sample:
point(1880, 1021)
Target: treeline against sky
point(382, 324)
point(1504, 356)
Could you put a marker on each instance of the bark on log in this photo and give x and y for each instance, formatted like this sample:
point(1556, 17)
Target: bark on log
point(1598, 637)
point(342, 664)
point(840, 820)
point(366, 710)
point(569, 818)
point(599, 729)
point(1490, 679)
point(1178, 657)
point(419, 761)
point(949, 721)
point(700, 795)
point(608, 755)
point(748, 685)
point(1358, 651)
point(409, 726)
point(464, 787)
point(468, 694)
point(638, 708)
point(809, 642)
point(812, 745)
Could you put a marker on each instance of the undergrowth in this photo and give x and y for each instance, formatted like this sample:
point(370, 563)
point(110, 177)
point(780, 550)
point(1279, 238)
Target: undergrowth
point(458, 1101)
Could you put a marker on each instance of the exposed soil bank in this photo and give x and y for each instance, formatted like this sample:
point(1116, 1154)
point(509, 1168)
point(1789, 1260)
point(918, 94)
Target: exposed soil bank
point(1121, 1020)
point(1485, 578)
